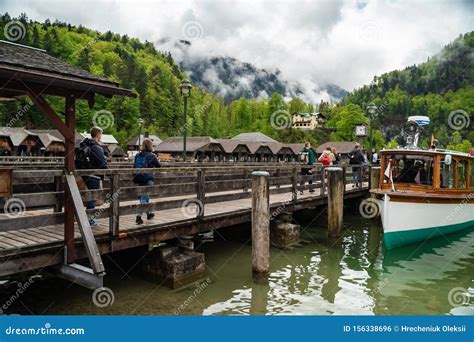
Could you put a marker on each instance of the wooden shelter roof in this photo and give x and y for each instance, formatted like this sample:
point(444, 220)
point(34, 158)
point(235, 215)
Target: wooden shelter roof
point(23, 68)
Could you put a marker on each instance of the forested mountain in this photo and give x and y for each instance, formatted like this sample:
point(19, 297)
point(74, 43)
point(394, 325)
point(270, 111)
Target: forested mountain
point(436, 88)
point(442, 85)
point(232, 79)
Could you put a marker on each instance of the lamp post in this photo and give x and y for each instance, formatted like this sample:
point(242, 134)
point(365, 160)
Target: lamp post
point(185, 92)
point(372, 110)
point(140, 123)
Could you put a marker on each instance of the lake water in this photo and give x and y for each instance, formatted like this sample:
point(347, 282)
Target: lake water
point(354, 275)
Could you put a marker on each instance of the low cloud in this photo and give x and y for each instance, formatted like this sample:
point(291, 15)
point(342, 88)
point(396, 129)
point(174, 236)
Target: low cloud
point(311, 42)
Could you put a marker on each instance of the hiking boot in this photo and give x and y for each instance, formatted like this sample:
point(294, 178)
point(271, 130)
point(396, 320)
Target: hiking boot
point(139, 220)
point(301, 192)
point(311, 190)
point(149, 216)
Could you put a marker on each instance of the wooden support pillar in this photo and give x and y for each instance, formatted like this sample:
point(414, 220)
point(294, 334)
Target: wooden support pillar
point(246, 176)
point(375, 177)
point(323, 180)
point(294, 183)
point(201, 191)
point(58, 187)
point(335, 200)
point(260, 223)
point(114, 205)
point(69, 169)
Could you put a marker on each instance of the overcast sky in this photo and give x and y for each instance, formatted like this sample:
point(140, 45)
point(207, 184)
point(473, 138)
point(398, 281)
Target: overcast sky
point(340, 42)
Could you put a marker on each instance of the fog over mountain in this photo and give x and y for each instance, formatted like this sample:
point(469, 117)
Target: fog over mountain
point(232, 79)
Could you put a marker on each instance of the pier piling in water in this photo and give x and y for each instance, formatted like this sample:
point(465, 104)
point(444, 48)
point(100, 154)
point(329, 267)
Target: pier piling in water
point(335, 189)
point(375, 177)
point(260, 223)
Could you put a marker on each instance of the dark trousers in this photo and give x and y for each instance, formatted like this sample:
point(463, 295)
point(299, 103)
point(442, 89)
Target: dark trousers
point(306, 171)
point(92, 183)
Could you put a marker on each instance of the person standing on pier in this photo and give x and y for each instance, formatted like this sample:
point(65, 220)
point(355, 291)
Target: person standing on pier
point(144, 160)
point(310, 156)
point(91, 156)
point(357, 159)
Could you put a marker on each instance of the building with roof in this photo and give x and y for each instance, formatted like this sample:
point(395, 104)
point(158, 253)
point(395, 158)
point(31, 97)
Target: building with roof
point(254, 137)
point(24, 142)
point(234, 150)
point(134, 143)
point(199, 148)
point(307, 121)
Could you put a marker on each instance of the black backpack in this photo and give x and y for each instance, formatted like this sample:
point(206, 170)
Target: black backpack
point(354, 158)
point(83, 157)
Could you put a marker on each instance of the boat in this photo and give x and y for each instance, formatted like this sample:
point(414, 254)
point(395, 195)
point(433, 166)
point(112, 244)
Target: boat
point(422, 193)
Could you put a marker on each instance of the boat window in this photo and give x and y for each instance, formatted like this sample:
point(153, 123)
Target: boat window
point(411, 169)
point(462, 169)
point(447, 175)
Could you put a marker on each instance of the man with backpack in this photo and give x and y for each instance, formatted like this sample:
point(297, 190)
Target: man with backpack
point(90, 155)
point(144, 160)
point(356, 158)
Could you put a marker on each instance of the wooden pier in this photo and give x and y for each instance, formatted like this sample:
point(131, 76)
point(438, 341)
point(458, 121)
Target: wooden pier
point(185, 200)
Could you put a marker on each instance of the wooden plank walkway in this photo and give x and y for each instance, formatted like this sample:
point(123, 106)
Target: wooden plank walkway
point(41, 246)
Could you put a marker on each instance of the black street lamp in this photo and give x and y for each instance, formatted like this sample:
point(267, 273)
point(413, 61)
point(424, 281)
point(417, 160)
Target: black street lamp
point(140, 124)
point(372, 110)
point(185, 92)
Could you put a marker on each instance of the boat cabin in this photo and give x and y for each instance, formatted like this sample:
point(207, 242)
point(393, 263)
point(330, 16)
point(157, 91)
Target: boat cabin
point(427, 171)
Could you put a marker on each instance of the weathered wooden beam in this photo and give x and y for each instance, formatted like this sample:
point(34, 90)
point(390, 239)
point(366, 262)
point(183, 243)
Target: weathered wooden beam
point(114, 205)
point(201, 191)
point(260, 223)
point(84, 226)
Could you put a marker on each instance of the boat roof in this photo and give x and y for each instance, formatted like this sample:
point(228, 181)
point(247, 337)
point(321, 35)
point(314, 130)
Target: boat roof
point(425, 152)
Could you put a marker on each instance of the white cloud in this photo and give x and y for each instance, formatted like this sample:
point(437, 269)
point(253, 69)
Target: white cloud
point(312, 42)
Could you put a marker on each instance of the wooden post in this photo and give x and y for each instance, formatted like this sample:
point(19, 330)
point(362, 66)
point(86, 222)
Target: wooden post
point(201, 191)
point(69, 208)
point(294, 183)
point(323, 180)
point(260, 223)
point(246, 176)
point(335, 200)
point(58, 187)
point(278, 176)
point(114, 205)
point(375, 177)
